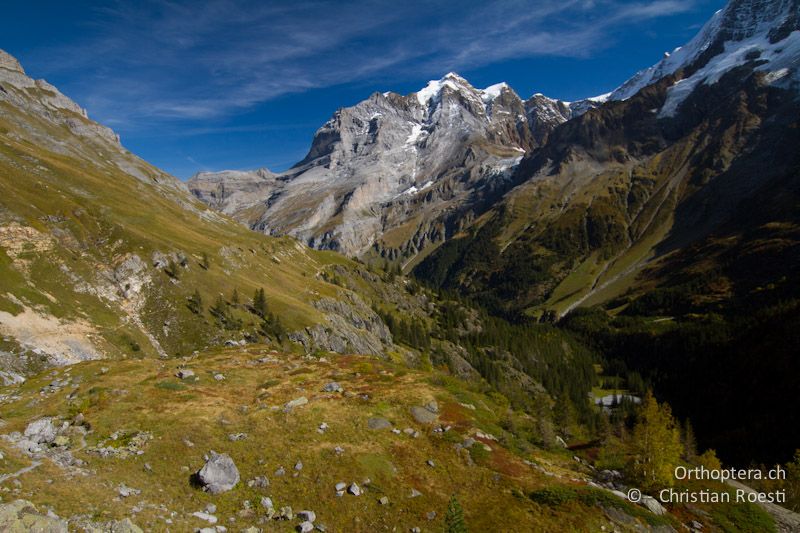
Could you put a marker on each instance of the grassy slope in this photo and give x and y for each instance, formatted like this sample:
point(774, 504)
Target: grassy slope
point(94, 214)
point(144, 395)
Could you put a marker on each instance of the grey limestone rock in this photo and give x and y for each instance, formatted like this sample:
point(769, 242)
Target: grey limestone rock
point(219, 474)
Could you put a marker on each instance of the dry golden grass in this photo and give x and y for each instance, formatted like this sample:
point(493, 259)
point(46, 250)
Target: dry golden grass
point(145, 395)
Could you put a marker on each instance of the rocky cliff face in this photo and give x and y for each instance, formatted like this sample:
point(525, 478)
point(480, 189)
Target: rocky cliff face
point(394, 174)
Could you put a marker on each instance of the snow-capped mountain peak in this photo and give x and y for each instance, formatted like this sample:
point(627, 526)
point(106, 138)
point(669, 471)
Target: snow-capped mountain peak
point(434, 88)
point(745, 30)
point(493, 91)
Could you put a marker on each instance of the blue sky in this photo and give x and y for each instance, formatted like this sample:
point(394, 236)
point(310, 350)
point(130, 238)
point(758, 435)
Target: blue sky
point(234, 84)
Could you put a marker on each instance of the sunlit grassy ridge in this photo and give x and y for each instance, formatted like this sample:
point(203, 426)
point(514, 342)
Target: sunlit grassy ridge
point(86, 216)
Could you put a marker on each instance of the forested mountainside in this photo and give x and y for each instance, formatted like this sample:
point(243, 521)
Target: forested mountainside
point(676, 210)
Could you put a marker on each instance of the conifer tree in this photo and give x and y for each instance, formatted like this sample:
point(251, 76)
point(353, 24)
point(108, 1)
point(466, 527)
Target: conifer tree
point(172, 269)
point(195, 303)
point(454, 518)
point(260, 303)
point(219, 308)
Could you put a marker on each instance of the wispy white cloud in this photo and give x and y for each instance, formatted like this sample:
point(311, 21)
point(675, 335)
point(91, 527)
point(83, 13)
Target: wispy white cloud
point(144, 62)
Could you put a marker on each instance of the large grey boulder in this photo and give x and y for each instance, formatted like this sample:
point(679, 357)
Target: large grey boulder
point(423, 415)
point(653, 505)
point(41, 431)
point(378, 423)
point(219, 474)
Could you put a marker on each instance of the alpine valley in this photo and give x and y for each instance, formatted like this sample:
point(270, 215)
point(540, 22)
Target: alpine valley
point(461, 310)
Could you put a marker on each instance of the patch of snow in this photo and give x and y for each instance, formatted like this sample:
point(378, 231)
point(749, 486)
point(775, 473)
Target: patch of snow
point(434, 88)
point(414, 189)
point(780, 60)
point(416, 133)
point(746, 26)
point(493, 91)
point(600, 99)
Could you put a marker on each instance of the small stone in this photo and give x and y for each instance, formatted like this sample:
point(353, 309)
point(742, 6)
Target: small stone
point(430, 463)
point(259, 482)
point(354, 489)
point(266, 503)
point(286, 513)
point(305, 527)
point(415, 493)
point(431, 515)
point(219, 377)
point(234, 437)
point(184, 373)
point(383, 500)
point(208, 517)
point(297, 402)
point(307, 516)
point(341, 485)
point(432, 406)
point(280, 471)
point(299, 466)
point(211, 508)
point(332, 387)
point(128, 491)
point(338, 450)
point(147, 467)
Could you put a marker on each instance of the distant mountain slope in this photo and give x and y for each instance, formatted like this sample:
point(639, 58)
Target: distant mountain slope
point(393, 175)
point(678, 211)
point(100, 252)
point(103, 256)
point(627, 182)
